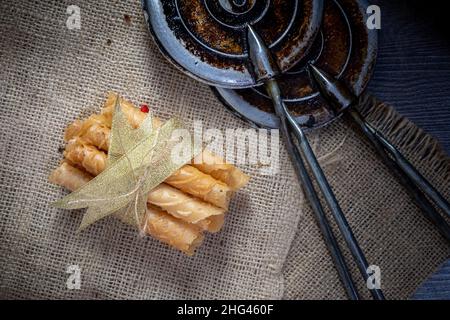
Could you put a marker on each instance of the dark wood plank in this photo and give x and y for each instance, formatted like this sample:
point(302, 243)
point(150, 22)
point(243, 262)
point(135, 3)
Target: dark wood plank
point(413, 74)
point(413, 67)
point(437, 287)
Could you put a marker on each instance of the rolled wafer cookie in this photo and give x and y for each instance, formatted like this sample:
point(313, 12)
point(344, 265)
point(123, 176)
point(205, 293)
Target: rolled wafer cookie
point(207, 162)
point(187, 179)
point(181, 235)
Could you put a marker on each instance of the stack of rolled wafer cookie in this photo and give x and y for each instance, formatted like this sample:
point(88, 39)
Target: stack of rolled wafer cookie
point(192, 200)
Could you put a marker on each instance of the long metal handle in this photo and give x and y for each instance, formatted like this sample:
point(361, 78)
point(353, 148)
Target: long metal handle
point(342, 99)
point(413, 173)
point(405, 172)
point(344, 227)
point(322, 221)
point(265, 69)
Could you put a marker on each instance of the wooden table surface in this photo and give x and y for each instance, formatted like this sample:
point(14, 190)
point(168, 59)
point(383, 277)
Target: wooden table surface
point(413, 75)
point(413, 66)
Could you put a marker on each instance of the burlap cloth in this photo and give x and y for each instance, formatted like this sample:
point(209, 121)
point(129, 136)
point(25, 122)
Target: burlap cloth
point(270, 246)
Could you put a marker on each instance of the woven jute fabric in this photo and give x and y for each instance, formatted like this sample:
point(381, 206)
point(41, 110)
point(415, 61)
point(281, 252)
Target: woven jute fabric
point(270, 247)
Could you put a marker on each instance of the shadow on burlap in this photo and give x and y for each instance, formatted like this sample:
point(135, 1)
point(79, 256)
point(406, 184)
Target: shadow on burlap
point(270, 246)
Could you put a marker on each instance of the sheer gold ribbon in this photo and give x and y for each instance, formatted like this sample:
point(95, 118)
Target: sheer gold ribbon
point(138, 161)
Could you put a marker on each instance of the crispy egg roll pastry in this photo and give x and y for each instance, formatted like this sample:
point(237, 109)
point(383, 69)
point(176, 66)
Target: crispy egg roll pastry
point(187, 179)
point(92, 131)
point(212, 224)
point(194, 182)
point(85, 155)
point(176, 233)
point(73, 130)
point(133, 114)
point(192, 200)
point(69, 177)
point(181, 235)
point(181, 205)
point(216, 167)
point(207, 162)
point(174, 201)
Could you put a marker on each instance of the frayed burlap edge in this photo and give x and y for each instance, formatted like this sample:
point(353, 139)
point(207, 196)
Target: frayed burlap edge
point(404, 134)
point(424, 151)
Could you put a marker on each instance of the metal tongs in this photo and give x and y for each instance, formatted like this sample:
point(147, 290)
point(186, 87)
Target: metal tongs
point(417, 186)
point(265, 71)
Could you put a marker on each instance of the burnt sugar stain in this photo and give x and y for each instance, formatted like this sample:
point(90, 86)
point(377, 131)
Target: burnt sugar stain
point(127, 19)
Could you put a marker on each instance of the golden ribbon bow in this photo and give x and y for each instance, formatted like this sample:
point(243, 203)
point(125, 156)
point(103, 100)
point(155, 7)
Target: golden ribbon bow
point(138, 161)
